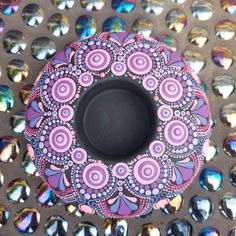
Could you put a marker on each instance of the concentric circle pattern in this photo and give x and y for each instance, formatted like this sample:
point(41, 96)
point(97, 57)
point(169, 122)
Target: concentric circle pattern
point(198, 41)
point(163, 169)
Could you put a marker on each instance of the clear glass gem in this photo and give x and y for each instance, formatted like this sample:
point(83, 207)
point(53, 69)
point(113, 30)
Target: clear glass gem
point(56, 225)
point(209, 231)
point(176, 20)
point(180, 227)
point(63, 4)
point(229, 6)
point(9, 148)
point(32, 15)
point(174, 205)
point(229, 145)
point(225, 29)
point(24, 93)
point(43, 48)
point(142, 26)
point(85, 229)
point(211, 151)
point(211, 179)
point(93, 5)
point(85, 26)
point(149, 230)
point(115, 227)
point(27, 220)
point(232, 175)
point(222, 56)
point(202, 9)
point(45, 196)
point(73, 210)
point(17, 122)
point(153, 6)
point(4, 216)
point(228, 115)
point(14, 42)
point(123, 6)
point(9, 7)
point(114, 24)
point(58, 24)
point(169, 40)
point(17, 70)
point(18, 191)
point(200, 208)
point(223, 86)
point(198, 36)
point(2, 25)
point(227, 206)
point(6, 98)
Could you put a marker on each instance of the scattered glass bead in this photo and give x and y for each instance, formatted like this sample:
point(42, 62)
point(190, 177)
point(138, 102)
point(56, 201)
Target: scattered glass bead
point(27, 220)
point(115, 227)
point(209, 231)
point(176, 20)
point(6, 98)
point(73, 210)
point(153, 6)
point(179, 1)
point(9, 7)
point(168, 40)
point(179, 227)
point(85, 228)
point(45, 197)
point(229, 145)
point(229, 6)
point(56, 225)
point(174, 205)
point(85, 26)
point(232, 175)
point(228, 115)
point(232, 232)
point(18, 191)
point(17, 122)
point(222, 56)
point(227, 206)
point(14, 42)
point(9, 148)
point(148, 230)
point(24, 93)
point(114, 24)
point(223, 86)
point(58, 24)
point(1, 178)
point(2, 25)
point(63, 4)
point(43, 48)
point(202, 9)
point(225, 29)
point(123, 6)
point(142, 26)
point(93, 5)
point(198, 36)
point(212, 122)
point(17, 70)
point(28, 166)
point(195, 60)
point(200, 208)
point(32, 15)
point(211, 179)
point(4, 216)
point(211, 152)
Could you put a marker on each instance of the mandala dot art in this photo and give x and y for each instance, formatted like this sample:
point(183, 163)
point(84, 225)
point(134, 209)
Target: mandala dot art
point(154, 89)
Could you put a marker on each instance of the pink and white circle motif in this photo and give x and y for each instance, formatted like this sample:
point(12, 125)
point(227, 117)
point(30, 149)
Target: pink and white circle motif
point(165, 113)
point(66, 113)
point(157, 148)
point(60, 139)
point(64, 90)
point(98, 59)
point(150, 83)
point(146, 171)
point(171, 90)
point(95, 176)
point(120, 170)
point(79, 155)
point(139, 63)
point(86, 79)
point(118, 68)
point(176, 132)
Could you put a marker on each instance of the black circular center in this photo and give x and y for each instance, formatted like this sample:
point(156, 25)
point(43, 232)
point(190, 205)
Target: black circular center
point(116, 119)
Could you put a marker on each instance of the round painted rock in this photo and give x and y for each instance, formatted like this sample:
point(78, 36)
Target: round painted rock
point(118, 124)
